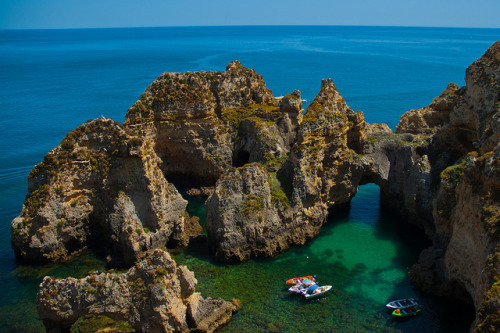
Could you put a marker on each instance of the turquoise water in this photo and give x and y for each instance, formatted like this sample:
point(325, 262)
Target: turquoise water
point(361, 252)
point(51, 81)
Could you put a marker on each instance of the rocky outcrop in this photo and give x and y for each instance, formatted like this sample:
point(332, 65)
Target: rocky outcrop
point(153, 296)
point(463, 151)
point(263, 209)
point(246, 216)
point(395, 163)
point(106, 182)
point(439, 170)
point(477, 112)
point(194, 120)
point(432, 118)
point(102, 184)
point(325, 162)
point(334, 152)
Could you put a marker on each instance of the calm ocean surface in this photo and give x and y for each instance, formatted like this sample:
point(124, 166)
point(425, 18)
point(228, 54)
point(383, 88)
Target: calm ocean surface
point(51, 81)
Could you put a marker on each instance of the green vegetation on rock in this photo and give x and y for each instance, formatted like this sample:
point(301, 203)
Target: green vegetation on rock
point(252, 112)
point(313, 111)
point(250, 205)
point(36, 199)
point(451, 176)
point(277, 194)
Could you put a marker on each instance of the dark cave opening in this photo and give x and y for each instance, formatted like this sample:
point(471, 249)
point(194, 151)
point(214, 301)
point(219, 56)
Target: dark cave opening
point(242, 158)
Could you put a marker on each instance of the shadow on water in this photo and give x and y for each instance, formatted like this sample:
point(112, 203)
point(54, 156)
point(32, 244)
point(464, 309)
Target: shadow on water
point(195, 206)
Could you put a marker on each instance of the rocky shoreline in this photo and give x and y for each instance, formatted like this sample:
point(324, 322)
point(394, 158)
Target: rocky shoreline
point(272, 172)
point(153, 296)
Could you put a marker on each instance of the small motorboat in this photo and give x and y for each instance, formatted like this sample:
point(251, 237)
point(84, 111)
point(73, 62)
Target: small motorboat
point(315, 291)
point(407, 312)
point(299, 288)
point(402, 303)
point(299, 280)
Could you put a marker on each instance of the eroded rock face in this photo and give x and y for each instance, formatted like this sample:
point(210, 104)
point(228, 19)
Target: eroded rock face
point(243, 217)
point(106, 182)
point(153, 296)
point(430, 118)
point(463, 154)
point(456, 203)
point(193, 119)
point(479, 109)
point(462, 261)
point(101, 184)
point(263, 209)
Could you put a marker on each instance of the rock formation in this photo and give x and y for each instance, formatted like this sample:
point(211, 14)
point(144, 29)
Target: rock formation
point(153, 296)
point(440, 170)
point(193, 120)
point(462, 261)
point(277, 172)
point(263, 209)
point(101, 184)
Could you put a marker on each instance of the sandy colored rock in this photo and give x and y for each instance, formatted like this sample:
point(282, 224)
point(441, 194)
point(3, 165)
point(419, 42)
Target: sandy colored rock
point(102, 184)
point(153, 296)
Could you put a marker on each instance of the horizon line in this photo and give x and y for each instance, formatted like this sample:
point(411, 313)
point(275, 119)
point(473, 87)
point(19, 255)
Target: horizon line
point(251, 25)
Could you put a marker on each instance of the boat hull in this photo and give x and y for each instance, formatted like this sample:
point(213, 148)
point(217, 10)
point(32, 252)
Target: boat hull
point(318, 292)
point(402, 303)
point(298, 280)
point(407, 312)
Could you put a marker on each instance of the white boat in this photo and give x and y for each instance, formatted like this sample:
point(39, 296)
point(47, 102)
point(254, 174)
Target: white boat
point(315, 291)
point(299, 288)
point(402, 303)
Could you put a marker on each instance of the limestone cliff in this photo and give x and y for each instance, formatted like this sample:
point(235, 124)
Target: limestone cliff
point(194, 121)
point(263, 209)
point(155, 295)
point(102, 184)
point(244, 218)
point(106, 182)
point(440, 170)
point(462, 261)
point(334, 152)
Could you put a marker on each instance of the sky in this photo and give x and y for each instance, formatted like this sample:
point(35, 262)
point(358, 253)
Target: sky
point(61, 14)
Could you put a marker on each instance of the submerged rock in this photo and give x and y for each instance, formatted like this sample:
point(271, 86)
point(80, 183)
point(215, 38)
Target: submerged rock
point(155, 295)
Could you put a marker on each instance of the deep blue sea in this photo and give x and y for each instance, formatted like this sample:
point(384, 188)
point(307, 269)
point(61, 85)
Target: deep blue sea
point(51, 81)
